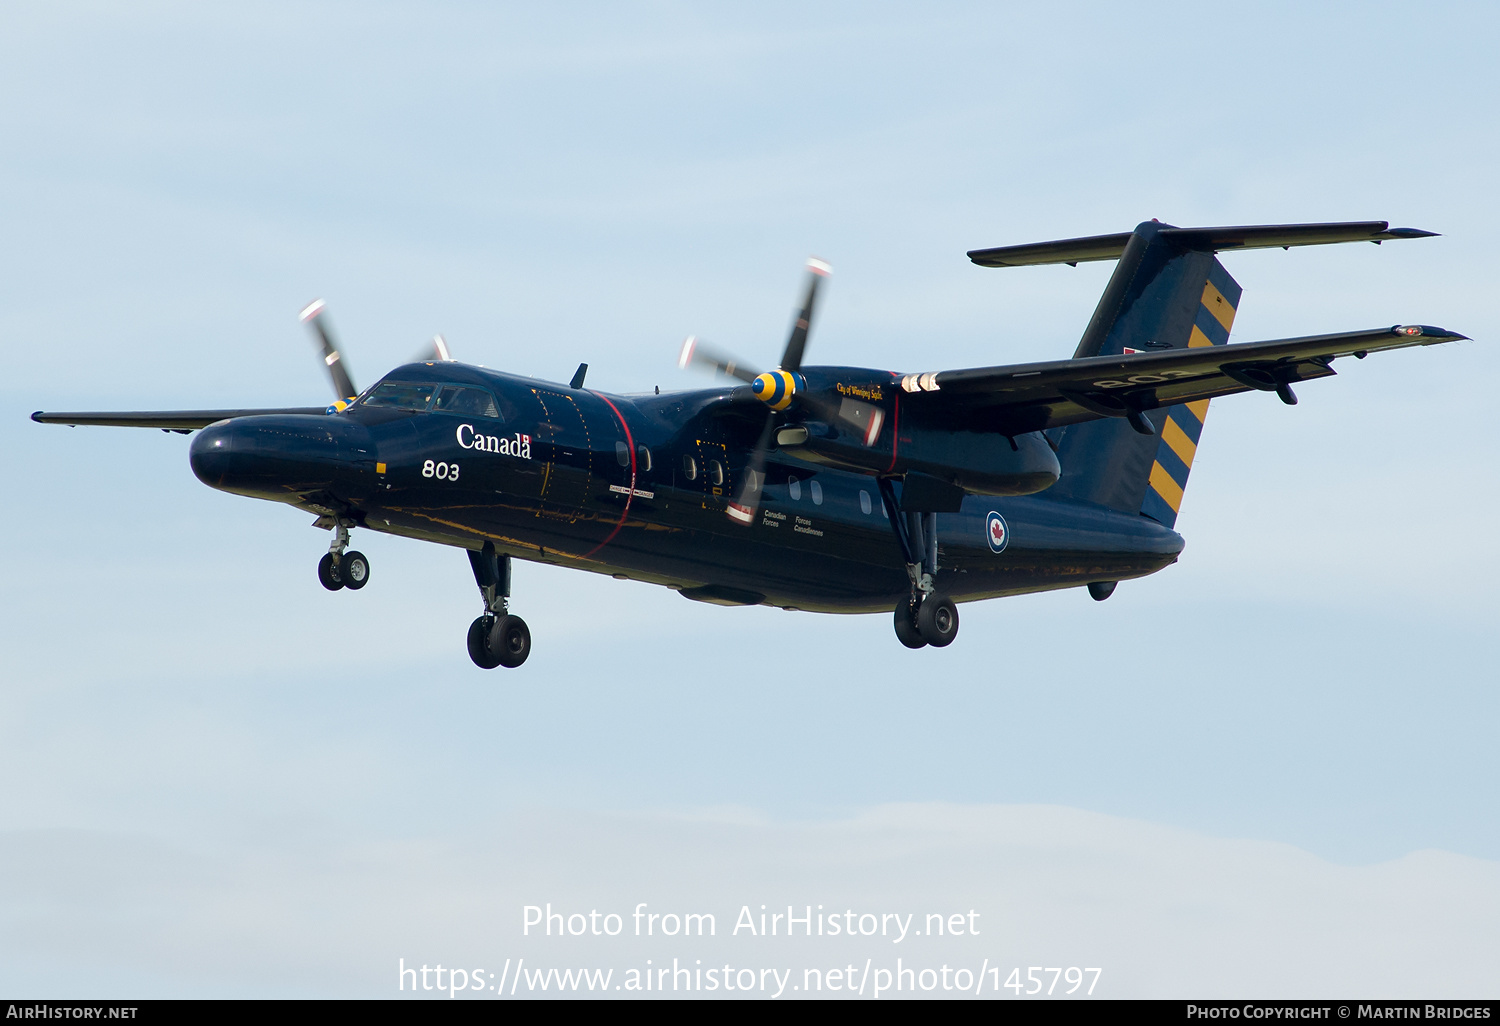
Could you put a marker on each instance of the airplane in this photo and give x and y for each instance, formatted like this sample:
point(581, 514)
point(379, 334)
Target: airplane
point(821, 488)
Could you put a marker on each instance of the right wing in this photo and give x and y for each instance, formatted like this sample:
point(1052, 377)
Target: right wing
point(181, 421)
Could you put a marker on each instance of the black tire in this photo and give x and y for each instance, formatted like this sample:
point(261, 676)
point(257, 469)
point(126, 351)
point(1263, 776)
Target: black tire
point(510, 640)
point(906, 624)
point(937, 621)
point(354, 570)
point(479, 643)
point(328, 573)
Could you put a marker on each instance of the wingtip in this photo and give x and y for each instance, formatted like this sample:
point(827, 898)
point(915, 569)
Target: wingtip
point(1411, 233)
point(312, 310)
point(1431, 331)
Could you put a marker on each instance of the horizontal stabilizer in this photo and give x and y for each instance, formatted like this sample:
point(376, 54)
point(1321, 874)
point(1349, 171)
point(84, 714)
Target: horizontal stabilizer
point(167, 420)
point(1215, 240)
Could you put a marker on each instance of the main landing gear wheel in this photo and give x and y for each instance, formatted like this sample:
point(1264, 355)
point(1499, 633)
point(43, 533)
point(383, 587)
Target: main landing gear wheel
point(479, 643)
point(906, 624)
point(937, 621)
point(354, 570)
point(328, 573)
point(497, 638)
point(510, 639)
point(499, 641)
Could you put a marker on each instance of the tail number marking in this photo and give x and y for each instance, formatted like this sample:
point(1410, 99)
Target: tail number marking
point(1149, 379)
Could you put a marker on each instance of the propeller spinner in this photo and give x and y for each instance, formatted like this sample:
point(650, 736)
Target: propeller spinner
point(779, 389)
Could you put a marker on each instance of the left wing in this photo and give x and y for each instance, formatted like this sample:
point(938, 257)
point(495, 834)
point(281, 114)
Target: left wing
point(1034, 396)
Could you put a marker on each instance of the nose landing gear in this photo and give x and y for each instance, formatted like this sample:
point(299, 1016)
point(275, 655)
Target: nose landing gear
point(341, 569)
point(496, 638)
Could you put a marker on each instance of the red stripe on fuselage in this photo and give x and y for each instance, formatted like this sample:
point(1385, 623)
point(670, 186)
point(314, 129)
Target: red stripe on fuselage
point(630, 441)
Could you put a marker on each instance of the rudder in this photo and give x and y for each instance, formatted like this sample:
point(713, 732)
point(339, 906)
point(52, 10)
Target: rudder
point(1182, 426)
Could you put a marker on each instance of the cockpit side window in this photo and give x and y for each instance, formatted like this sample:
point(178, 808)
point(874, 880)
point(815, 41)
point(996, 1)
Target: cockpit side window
point(467, 402)
point(397, 395)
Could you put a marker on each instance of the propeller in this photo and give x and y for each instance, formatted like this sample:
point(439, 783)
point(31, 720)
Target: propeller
point(343, 385)
point(313, 315)
point(779, 389)
point(436, 351)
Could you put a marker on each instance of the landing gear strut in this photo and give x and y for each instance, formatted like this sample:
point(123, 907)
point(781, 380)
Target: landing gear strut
point(341, 569)
point(496, 638)
point(925, 617)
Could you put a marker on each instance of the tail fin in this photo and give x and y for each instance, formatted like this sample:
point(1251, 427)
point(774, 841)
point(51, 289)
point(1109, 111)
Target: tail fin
point(1163, 295)
point(1168, 292)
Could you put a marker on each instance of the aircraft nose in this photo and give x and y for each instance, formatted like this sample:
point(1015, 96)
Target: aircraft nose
point(212, 454)
point(285, 457)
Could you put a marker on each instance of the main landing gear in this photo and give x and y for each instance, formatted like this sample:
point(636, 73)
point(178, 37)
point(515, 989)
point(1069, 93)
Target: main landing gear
point(496, 638)
point(924, 617)
point(341, 569)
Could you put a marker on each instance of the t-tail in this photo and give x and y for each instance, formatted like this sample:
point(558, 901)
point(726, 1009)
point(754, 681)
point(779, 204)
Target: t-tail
point(1168, 291)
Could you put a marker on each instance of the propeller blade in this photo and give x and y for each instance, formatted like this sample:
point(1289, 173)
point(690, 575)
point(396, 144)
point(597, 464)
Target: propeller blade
point(343, 385)
point(742, 507)
point(791, 359)
point(436, 351)
point(700, 355)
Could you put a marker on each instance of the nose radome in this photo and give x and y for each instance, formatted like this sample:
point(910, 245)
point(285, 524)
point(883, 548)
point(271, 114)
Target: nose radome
point(284, 457)
point(210, 454)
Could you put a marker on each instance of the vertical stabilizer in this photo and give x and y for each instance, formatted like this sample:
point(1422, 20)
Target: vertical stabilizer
point(1164, 294)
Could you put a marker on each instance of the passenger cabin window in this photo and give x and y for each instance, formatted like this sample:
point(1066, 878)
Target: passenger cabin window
point(690, 468)
point(817, 492)
point(864, 502)
point(642, 458)
point(622, 454)
point(716, 472)
point(794, 488)
point(395, 395)
point(467, 402)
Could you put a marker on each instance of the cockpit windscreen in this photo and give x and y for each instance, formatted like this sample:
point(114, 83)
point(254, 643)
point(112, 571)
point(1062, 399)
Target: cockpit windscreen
point(396, 395)
point(467, 402)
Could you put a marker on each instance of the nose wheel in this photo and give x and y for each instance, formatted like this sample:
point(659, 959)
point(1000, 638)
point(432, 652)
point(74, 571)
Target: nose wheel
point(497, 637)
point(340, 568)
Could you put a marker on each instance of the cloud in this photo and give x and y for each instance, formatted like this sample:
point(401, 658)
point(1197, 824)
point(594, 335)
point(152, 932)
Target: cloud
point(1163, 912)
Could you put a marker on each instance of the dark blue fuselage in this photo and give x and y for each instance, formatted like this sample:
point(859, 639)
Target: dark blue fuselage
point(637, 486)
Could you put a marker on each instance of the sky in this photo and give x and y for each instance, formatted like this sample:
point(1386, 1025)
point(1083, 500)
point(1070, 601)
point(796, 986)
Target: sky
point(1268, 770)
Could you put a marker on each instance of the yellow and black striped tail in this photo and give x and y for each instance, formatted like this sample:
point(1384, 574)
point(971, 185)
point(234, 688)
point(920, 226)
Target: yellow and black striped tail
point(1183, 425)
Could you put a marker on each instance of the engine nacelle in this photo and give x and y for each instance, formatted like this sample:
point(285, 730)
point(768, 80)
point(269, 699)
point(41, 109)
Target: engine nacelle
point(980, 463)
